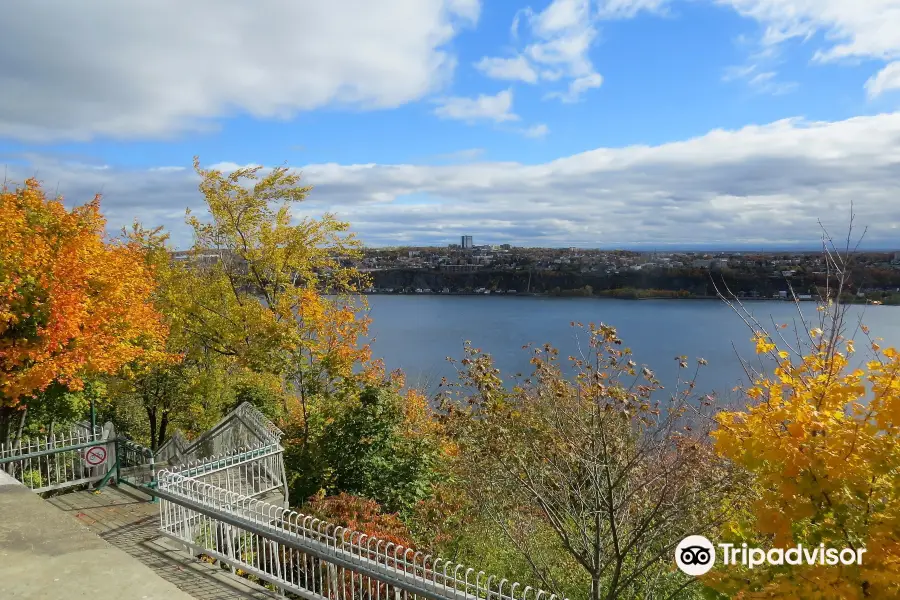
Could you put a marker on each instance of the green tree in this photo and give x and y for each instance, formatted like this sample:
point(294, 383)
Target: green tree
point(247, 310)
point(367, 451)
point(58, 405)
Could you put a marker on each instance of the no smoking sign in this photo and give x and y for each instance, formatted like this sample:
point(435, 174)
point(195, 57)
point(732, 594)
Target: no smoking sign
point(95, 456)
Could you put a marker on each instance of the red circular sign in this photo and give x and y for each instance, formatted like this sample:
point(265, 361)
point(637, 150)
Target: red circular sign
point(95, 456)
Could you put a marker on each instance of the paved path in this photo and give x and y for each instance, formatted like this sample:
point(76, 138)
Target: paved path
point(47, 555)
point(124, 518)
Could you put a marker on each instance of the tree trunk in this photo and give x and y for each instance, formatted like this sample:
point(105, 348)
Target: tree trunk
point(151, 415)
point(6, 416)
point(163, 425)
point(18, 437)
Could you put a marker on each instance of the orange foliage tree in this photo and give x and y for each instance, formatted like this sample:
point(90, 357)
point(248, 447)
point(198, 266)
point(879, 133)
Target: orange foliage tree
point(360, 514)
point(72, 303)
point(822, 441)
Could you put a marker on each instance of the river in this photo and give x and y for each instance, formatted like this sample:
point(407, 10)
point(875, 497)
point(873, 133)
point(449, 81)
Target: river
point(417, 333)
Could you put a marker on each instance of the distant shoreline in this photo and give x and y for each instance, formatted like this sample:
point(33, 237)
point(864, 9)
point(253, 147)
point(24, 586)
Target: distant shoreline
point(607, 297)
point(595, 296)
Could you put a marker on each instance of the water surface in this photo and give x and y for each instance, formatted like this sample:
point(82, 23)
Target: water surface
point(417, 333)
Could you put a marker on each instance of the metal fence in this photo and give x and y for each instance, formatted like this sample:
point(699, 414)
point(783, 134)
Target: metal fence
point(272, 434)
point(311, 558)
point(51, 462)
point(135, 464)
point(252, 471)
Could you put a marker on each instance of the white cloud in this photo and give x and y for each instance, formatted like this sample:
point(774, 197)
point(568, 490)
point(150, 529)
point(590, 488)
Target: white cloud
point(628, 9)
point(763, 82)
point(578, 87)
point(865, 29)
point(886, 79)
point(468, 9)
point(560, 16)
point(734, 72)
point(536, 131)
point(510, 69)
point(497, 108)
point(466, 155)
point(76, 70)
point(560, 38)
point(765, 184)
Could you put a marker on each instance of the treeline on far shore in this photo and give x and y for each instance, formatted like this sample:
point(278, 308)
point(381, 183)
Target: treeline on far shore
point(681, 283)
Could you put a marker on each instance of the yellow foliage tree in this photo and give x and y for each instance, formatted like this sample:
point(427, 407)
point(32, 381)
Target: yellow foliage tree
point(822, 439)
point(276, 293)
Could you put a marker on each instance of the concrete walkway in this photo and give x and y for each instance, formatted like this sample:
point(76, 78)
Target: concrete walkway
point(107, 547)
point(124, 518)
point(47, 555)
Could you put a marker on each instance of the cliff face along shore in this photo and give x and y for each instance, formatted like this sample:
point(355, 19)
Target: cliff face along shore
point(688, 283)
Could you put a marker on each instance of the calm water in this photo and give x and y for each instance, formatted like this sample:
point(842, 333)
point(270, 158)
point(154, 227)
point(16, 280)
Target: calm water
point(417, 333)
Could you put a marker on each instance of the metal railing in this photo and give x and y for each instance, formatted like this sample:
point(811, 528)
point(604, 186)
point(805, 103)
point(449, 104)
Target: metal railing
point(311, 558)
point(135, 464)
point(270, 431)
point(250, 471)
point(57, 461)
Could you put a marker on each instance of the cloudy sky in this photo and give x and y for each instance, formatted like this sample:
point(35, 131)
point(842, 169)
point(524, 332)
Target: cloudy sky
point(600, 123)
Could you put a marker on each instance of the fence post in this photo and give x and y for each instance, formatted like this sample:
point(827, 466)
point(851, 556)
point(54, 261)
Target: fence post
point(153, 482)
point(109, 434)
point(332, 581)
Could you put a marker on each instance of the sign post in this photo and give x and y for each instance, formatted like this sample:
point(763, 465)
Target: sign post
point(95, 456)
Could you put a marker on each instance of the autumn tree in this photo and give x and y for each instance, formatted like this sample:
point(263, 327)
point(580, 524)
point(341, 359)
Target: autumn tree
point(592, 478)
point(359, 514)
point(821, 437)
point(263, 307)
point(187, 387)
point(73, 303)
point(264, 273)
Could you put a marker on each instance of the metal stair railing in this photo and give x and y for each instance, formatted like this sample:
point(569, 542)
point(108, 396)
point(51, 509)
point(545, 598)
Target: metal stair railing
point(270, 431)
point(312, 558)
point(250, 471)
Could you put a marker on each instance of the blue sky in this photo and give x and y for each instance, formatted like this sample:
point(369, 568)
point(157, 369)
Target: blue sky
point(610, 123)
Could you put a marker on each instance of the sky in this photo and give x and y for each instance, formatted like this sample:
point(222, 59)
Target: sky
point(592, 123)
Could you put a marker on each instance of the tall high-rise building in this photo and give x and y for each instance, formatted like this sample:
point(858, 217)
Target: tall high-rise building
point(467, 241)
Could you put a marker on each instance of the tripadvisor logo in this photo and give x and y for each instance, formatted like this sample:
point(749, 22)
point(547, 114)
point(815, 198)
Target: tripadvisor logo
point(696, 555)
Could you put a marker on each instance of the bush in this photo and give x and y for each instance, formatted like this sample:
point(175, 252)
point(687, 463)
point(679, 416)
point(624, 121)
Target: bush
point(367, 451)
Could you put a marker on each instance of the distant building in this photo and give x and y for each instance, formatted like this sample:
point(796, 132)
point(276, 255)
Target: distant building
point(467, 242)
